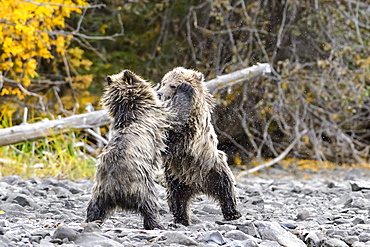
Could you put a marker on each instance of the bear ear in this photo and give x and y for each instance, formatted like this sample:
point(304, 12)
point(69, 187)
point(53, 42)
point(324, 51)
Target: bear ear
point(109, 80)
point(128, 76)
point(199, 76)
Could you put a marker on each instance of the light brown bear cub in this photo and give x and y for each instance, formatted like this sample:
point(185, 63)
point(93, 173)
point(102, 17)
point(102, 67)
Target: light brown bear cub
point(193, 164)
point(125, 174)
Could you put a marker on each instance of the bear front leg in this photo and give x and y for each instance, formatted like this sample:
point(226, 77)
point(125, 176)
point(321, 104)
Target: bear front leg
point(178, 196)
point(220, 186)
point(181, 103)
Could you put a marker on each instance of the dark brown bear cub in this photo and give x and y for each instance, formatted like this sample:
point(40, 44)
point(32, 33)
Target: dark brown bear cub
point(125, 173)
point(193, 163)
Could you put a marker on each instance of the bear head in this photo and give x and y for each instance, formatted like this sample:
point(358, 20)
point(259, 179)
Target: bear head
point(127, 95)
point(177, 76)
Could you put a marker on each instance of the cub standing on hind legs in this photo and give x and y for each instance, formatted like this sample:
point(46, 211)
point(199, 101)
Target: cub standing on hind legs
point(125, 174)
point(193, 164)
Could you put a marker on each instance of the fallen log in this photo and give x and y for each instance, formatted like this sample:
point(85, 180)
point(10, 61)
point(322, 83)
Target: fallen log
point(27, 132)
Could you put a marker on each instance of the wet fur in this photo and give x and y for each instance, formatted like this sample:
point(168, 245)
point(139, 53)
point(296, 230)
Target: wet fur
point(193, 164)
point(125, 173)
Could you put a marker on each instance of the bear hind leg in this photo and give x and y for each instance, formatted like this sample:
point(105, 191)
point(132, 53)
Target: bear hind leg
point(98, 209)
point(149, 212)
point(221, 187)
point(178, 196)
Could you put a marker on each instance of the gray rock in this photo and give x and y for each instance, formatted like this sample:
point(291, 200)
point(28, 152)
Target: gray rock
point(364, 237)
point(336, 232)
point(92, 227)
point(40, 232)
point(226, 228)
point(89, 239)
point(351, 239)
point(63, 232)
point(16, 235)
point(237, 235)
point(45, 243)
point(4, 223)
point(61, 192)
point(358, 220)
point(215, 237)
point(268, 243)
point(332, 242)
point(4, 240)
point(22, 200)
point(303, 215)
point(178, 238)
point(359, 244)
point(273, 231)
point(13, 179)
point(353, 174)
point(312, 240)
point(360, 185)
point(249, 243)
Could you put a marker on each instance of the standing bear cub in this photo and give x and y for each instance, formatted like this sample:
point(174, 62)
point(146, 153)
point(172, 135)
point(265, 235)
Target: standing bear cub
point(193, 164)
point(125, 173)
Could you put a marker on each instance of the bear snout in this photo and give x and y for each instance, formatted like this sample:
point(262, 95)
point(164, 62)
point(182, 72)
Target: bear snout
point(160, 95)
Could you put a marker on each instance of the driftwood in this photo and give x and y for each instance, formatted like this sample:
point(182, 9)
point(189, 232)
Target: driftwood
point(25, 132)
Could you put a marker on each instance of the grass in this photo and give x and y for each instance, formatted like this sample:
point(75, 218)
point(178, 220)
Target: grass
point(60, 155)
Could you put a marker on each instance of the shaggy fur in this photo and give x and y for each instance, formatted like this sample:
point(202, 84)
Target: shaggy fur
point(193, 164)
point(125, 174)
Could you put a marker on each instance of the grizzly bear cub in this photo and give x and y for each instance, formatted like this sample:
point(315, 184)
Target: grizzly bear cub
point(125, 174)
point(193, 164)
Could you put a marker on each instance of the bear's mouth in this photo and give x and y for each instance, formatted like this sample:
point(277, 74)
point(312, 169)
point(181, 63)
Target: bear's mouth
point(161, 96)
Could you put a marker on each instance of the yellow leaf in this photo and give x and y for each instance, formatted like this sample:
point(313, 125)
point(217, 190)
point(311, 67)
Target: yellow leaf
point(103, 28)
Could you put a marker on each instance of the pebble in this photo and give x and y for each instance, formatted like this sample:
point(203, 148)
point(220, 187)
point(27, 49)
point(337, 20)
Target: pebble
point(63, 232)
point(334, 243)
point(277, 211)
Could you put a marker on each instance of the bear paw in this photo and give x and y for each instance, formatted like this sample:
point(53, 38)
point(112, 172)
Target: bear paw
point(185, 88)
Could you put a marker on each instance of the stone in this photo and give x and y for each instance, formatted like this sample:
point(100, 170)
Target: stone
point(237, 235)
point(13, 179)
point(303, 215)
point(4, 223)
point(45, 243)
point(215, 237)
point(351, 239)
point(364, 237)
point(22, 200)
point(353, 174)
point(249, 243)
point(312, 240)
point(173, 237)
point(273, 231)
point(269, 243)
point(358, 220)
point(360, 185)
point(89, 239)
point(332, 242)
point(92, 227)
point(63, 232)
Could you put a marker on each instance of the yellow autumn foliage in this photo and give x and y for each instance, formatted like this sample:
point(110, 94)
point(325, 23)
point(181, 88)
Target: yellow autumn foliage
point(28, 32)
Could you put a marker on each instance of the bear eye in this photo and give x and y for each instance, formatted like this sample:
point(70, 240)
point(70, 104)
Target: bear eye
point(172, 87)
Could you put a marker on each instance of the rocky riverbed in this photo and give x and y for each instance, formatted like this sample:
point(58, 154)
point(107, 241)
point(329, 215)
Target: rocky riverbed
point(280, 208)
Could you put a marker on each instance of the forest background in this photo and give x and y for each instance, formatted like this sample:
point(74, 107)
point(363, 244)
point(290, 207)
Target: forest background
point(55, 54)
